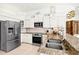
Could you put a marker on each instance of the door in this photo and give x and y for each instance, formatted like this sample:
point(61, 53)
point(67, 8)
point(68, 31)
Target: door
point(69, 28)
point(75, 27)
point(78, 27)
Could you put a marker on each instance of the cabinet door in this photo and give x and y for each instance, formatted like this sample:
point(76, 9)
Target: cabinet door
point(44, 40)
point(23, 38)
point(26, 23)
point(75, 27)
point(27, 38)
point(29, 24)
point(69, 27)
point(78, 27)
point(46, 23)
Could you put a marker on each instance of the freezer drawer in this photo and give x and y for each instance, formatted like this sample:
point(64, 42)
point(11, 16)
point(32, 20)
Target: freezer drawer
point(12, 44)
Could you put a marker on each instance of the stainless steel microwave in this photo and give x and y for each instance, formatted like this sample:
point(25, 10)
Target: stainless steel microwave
point(38, 24)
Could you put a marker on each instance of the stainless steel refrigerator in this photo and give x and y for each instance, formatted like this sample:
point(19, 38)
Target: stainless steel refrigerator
point(9, 35)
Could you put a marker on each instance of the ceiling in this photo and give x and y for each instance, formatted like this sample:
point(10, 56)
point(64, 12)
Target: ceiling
point(22, 7)
point(15, 9)
point(25, 7)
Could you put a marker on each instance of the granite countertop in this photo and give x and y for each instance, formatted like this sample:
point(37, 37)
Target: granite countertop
point(69, 49)
point(71, 45)
point(51, 51)
point(74, 41)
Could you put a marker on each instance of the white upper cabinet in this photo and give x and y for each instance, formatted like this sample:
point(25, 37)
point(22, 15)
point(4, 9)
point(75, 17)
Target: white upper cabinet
point(29, 23)
point(46, 22)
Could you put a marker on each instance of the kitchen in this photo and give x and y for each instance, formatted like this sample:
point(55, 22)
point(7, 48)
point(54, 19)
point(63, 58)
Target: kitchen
point(43, 27)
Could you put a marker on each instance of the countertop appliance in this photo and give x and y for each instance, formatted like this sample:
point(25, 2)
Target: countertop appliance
point(10, 35)
point(37, 38)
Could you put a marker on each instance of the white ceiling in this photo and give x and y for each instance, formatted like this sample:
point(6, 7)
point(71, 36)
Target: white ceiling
point(15, 9)
point(22, 7)
point(25, 7)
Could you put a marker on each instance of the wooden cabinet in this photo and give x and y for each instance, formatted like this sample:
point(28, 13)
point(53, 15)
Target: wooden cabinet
point(69, 27)
point(78, 28)
point(72, 27)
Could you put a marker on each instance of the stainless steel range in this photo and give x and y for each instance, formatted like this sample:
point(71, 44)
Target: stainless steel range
point(37, 38)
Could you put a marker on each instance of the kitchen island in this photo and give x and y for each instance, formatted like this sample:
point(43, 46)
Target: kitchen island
point(51, 51)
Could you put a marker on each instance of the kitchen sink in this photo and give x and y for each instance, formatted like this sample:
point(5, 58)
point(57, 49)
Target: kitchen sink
point(55, 44)
point(54, 41)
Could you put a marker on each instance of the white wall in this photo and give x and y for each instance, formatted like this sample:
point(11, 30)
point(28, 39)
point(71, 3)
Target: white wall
point(12, 16)
point(59, 17)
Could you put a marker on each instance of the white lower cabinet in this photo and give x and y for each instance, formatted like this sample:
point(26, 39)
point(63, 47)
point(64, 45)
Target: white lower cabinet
point(27, 38)
point(44, 40)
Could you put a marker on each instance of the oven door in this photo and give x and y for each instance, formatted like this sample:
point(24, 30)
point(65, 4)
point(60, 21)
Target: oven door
point(37, 40)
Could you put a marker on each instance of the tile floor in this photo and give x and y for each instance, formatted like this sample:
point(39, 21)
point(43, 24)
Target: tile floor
point(24, 49)
point(28, 49)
